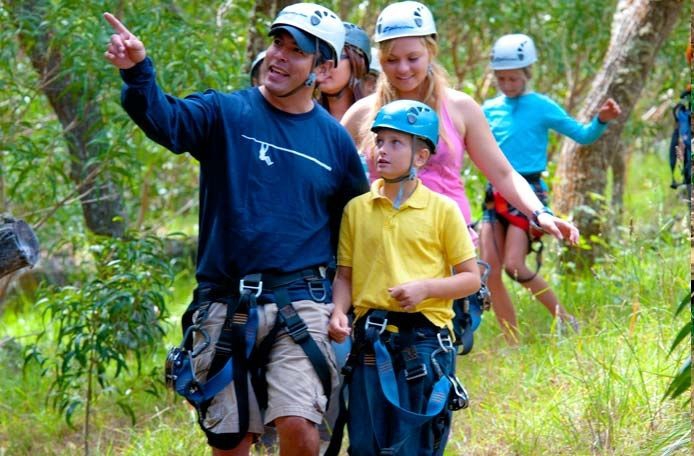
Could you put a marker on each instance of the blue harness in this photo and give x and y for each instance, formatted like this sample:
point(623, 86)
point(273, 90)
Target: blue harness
point(236, 354)
point(402, 387)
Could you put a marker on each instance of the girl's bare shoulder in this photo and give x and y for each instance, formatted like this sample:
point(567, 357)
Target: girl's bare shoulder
point(357, 114)
point(460, 102)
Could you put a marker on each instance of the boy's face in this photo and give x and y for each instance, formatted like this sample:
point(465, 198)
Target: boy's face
point(393, 153)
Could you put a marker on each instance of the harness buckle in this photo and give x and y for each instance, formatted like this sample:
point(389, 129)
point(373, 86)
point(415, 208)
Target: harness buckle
point(459, 398)
point(445, 341)
point(255, 286)
point(380, 326)
point(417, 372)
point(315, 286)
point(295, 326)
point(298, 332)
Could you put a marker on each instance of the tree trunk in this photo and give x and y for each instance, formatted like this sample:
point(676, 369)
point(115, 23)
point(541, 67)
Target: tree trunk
point(18, 246)
point(262, 9)
point(77, 113)
point(639, 29)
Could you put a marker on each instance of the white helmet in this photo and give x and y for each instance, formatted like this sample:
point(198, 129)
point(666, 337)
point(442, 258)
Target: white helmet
point(513, 51)
point(317, 21)
point(404, 19)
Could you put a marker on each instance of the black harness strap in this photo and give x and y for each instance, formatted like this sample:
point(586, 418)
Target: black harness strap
point(462, 325)
point(232, 344)
point(288, 319)
point(298, 331)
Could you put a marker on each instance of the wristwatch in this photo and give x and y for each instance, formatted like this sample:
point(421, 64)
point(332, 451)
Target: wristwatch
point(537, 212)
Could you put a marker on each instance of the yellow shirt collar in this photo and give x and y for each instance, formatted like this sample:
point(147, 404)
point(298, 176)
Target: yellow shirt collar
point(417, 200)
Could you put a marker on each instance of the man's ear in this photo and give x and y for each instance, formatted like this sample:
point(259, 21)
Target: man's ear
point(323, 70)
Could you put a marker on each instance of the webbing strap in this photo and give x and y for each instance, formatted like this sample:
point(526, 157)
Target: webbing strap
point(463, 320)
point(339, 425)
point(343, 412)
point(384, 374)
point(298, 331)
point(236, 340)
point(203, 392)
point(389, 386)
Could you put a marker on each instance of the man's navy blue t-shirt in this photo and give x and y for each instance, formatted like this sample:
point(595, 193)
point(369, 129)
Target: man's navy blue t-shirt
point(272, 184)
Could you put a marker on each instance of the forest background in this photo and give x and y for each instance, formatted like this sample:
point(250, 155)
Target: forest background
point(83, 336)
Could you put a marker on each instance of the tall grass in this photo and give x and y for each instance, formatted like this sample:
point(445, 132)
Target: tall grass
point(597, 392)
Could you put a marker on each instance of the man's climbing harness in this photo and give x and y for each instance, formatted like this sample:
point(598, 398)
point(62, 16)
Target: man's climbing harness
point(235, 357)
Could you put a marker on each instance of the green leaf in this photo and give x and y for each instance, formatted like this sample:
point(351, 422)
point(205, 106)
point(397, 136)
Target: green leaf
point(681, 335)
point(682, 381)
point(71, 410)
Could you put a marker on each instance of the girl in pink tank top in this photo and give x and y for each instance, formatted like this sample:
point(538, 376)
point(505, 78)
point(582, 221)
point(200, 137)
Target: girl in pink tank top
point(442, 171)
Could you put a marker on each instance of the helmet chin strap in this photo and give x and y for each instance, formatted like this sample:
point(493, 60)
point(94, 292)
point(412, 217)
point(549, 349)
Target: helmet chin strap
point(310, 80)
point(411, 175)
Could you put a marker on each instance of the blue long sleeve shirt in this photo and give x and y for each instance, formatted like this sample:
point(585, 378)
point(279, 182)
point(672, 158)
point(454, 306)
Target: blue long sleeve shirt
point(521, 127)
point(272, 184)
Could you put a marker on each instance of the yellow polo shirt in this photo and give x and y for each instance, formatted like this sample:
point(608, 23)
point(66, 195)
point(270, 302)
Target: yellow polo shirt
point(386, 247)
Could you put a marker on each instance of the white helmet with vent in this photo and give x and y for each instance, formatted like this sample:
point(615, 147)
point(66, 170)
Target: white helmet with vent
point(404, 19)
point(513, 51)
point(316, 20)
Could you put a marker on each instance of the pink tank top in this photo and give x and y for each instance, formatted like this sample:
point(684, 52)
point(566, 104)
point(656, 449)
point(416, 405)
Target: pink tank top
point(442, 172)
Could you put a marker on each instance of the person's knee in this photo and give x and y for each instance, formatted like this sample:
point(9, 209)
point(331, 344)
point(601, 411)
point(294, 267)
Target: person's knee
point(220, 444)
point(295, 425)
point(515, 267)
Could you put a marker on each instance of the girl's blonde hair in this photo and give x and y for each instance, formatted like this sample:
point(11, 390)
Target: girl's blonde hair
point(432, 90)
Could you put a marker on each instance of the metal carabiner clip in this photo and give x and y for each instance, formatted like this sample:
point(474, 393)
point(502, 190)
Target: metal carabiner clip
point(197, 350)
point(459, 397)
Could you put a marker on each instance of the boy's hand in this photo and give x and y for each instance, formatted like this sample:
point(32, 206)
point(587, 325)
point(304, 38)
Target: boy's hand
point(338, 328)
point(409, 294)
point(124, 50)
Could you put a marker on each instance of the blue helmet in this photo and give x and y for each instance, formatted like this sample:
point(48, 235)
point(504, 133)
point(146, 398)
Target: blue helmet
point(357, 37)
point(409, 116)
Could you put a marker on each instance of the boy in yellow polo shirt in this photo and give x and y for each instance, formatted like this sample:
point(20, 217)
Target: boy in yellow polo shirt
point(398, 245)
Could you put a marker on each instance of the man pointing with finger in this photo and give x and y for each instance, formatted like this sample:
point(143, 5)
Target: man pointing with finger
point(275, 173)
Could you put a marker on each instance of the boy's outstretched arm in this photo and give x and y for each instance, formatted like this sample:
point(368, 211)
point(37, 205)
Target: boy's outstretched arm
point(464, 282)
point(338, 328)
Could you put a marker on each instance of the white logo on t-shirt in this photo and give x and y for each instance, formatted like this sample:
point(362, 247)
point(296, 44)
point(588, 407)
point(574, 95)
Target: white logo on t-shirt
point(265, 147)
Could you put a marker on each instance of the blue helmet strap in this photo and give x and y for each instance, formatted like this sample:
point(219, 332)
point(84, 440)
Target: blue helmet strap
point(411, 175)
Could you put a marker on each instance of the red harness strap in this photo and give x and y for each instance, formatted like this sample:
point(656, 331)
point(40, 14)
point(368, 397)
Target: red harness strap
point(513, 216)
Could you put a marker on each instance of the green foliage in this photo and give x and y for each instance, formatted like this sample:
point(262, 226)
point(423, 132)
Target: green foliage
point(683, 380)
point(588, 394)
point(114, 314)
